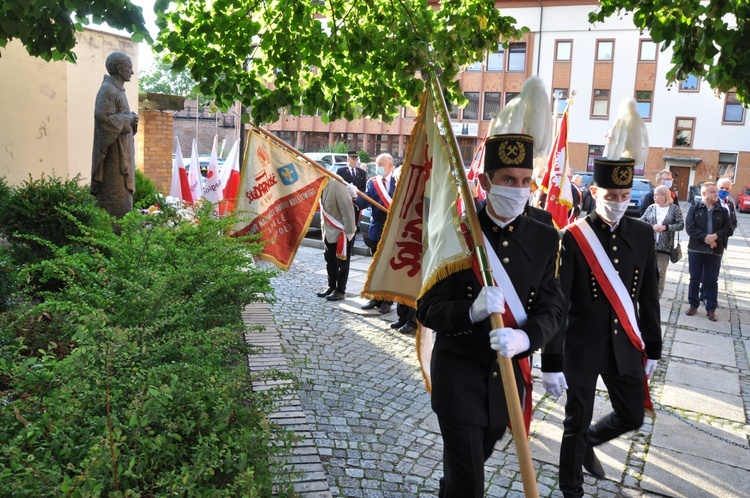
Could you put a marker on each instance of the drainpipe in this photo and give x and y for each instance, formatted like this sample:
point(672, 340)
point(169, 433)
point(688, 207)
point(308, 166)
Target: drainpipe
point(539, 42)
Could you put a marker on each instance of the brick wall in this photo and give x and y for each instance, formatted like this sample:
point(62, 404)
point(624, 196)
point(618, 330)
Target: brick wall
point(155, 132)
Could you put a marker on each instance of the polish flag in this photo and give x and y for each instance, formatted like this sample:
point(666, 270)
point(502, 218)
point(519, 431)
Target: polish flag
point(180, 187)
point(230, 179)
point(212, 191)
point(194, 175)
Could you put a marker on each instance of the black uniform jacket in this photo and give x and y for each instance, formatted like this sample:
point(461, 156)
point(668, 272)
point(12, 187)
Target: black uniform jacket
point(466, 383)
point(359, 180)
point(593, 339)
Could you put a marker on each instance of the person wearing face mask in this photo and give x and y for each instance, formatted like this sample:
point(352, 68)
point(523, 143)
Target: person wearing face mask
point(708, 226)
point(663, 177)
point(467, 390)
point(609, 276)
point(380, 188)
point(729, 204)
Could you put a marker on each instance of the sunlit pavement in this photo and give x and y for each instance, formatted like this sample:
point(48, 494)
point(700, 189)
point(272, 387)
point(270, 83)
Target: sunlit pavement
point(364, 399)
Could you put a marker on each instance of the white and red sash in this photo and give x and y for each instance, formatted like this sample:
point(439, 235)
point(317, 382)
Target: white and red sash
point(385, 197)
point(341, 243)
point(514, 317)
point(612, 286)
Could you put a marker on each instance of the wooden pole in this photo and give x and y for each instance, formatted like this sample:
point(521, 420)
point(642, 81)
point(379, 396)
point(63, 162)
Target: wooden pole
point(520, 438)
point(336, 177)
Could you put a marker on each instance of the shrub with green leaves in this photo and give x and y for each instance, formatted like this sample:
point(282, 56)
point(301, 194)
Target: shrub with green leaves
point(145, 191)
point(144, 390)
point(34, 218)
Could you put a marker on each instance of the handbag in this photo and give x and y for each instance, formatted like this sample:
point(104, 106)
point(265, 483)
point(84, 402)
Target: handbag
point(676, 253)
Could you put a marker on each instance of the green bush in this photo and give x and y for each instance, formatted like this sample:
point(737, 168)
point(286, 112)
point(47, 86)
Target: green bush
point(145, 191)
point(144, 390)
point(35, 219)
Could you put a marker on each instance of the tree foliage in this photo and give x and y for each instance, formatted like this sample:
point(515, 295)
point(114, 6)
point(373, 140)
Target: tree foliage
point(161, 78)
point(346, 58)
point(708, 38)
point(47, 29)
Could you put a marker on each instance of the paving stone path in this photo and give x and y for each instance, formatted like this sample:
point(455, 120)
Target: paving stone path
point(370, 420)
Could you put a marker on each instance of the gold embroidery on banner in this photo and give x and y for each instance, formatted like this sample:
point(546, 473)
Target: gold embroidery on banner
point(511, 152)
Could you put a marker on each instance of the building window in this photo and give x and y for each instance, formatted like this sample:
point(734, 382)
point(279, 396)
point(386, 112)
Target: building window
point(471, 111)
point(491, 105)
point(495, 59)
point(595, 152)
point(409, 112)
point(690, 84)
point(683, 132)
point(477, 66)
point(289, 137)
point(517, 57)
point(647, 52)
point(604, 50)
point(563, 50)
point(561, 94)
point(643, 103)
point(734, 112)
point(727, 165)
point(454, 111)
point(466, 147)
point(510, 96)
point(600, 104)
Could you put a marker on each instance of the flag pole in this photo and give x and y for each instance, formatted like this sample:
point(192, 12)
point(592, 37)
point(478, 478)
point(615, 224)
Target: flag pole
point(333, 175)
point(520, 438)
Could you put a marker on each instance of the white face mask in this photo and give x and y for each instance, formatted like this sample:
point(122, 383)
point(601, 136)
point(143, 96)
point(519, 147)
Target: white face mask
point(667, 183)
point(508, 202)
point(610, 210)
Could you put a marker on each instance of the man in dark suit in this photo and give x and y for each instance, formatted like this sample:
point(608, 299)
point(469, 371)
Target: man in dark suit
point(380, 188)
point(467, 390)
point(352, 173)
point(609, 277)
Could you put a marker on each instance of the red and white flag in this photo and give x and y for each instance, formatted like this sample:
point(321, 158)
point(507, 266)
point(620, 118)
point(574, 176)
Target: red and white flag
point(212, 190)
point(195, 181)
point(180, 187)
point(277, 198)
point(230, 179)
point(556, 182)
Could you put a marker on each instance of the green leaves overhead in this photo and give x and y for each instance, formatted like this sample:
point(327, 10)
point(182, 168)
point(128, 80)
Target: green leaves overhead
point(707, 38)
point(345, 58)
point(47, 28)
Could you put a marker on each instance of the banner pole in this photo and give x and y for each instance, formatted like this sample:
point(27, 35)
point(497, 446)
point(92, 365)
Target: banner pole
point(520, 438)
point(331, 174)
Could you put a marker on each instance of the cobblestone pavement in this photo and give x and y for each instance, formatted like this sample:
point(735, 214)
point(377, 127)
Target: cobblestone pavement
point(364, 398)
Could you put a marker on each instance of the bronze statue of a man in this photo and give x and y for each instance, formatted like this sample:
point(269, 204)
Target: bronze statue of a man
point(113, 164)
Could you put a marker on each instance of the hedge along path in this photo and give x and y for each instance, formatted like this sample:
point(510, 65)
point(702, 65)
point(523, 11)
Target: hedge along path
point(304, 464)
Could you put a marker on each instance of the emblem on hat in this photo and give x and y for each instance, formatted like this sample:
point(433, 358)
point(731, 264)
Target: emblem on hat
point(511, 152)
point(622, 175)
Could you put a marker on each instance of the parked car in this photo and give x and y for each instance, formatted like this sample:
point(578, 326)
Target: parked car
point(641, 187)
point(743, 199)
point(364, 224)
point(329, 158)
point(694, 194)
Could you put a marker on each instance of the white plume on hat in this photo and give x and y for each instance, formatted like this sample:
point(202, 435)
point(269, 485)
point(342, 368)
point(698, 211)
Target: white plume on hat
point(628, 137)
point(527, 113)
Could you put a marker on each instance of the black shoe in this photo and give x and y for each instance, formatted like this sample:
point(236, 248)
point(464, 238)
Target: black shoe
point(336, 296)
point(592, 464)
point(398, 324)
point(385, 308)
point(371, 305)
point(326, 293)
point(408, 329)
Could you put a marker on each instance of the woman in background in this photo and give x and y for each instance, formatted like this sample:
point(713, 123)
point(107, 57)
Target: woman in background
point(665, 216)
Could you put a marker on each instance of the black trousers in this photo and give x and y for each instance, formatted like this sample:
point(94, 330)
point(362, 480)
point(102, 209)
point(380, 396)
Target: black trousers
point(406, 314)
point(337, 269)
point(626, 393)
point(465, 449)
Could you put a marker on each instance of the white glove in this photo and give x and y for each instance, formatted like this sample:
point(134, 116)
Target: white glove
point(489, 300)
point(554, 383)
point(509, 342)
point(353, 192)
point(649, 368)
